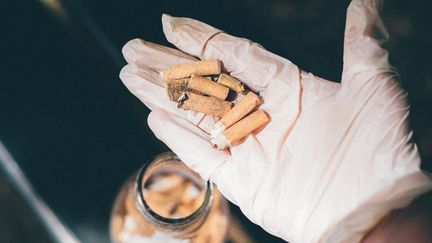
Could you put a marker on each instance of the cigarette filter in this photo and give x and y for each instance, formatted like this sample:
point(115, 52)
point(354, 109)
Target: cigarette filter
point(175, 88)
point(203, 68)
point(191, 192)
point(206, 86)
point(231, 82)
point(165, 182)
point(240, 110)
point(184, 210)
point(241, 129)
point(160, 203)
point(208, 105)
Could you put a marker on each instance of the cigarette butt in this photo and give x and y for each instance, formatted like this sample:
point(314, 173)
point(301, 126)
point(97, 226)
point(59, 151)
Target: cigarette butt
point(240, 110)
point(208, 105)
point(231, 82)
point(175, 88)
point(198, 201)
point(184, 210)
point(190, 193)
point(203, 68)
point(240, 130)
point(206, 86)
point(160, 203)
point(166, 182)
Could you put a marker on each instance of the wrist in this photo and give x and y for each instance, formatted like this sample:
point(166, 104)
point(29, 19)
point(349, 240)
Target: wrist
point(410, 224)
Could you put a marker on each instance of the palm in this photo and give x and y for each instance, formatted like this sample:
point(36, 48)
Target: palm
point(330, 151)
point(330, 148)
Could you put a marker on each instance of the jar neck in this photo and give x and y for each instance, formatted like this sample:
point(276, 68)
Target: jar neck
point(178, 226)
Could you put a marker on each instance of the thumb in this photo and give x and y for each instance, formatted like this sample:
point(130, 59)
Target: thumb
point(189, 142)
point(365, 35)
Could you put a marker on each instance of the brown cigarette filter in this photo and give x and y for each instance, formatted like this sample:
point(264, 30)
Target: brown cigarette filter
point(241, 109)
point(186, 197)
point(185, 209)
point(175, 88)
point(165, 182)
point(246, 126)
point(208, 105)
point(208, 67)
point(161, 203)
point(206, 86)
point(231, 82)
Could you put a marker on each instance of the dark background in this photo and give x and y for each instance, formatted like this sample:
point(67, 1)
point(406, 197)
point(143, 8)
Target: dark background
point(78, 133)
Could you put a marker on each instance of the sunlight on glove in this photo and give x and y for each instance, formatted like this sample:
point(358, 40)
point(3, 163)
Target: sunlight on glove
point(335, 158)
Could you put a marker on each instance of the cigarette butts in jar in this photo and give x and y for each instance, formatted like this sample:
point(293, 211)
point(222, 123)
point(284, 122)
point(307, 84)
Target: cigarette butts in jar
point(203, 68)
point(208, 87)
point(208, 105)
point(240, 130)
point(240, 110)
point(231, 82)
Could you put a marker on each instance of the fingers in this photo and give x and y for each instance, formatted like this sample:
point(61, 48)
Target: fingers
point(364, 36)
point(243, 58)
point(187, 141)
point(141, 77)
point(153, 56)
point(147, 86)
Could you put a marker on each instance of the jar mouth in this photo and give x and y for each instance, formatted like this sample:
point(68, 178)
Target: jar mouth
point(162, 221)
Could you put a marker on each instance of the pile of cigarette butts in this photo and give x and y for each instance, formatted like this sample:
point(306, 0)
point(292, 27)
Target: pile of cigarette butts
point(201, 86)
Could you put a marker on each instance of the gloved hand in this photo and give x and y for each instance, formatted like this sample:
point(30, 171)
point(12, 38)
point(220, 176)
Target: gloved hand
point(334, 159)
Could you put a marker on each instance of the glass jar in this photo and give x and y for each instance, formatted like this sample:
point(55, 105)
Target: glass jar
point(165, 201)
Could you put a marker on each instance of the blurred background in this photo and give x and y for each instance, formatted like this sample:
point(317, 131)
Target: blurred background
point(76, 131)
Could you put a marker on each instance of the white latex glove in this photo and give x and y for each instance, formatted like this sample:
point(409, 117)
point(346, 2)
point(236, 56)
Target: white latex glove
point(334, 159)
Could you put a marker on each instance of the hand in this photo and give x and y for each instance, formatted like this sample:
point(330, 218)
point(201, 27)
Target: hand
point(334, 159)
